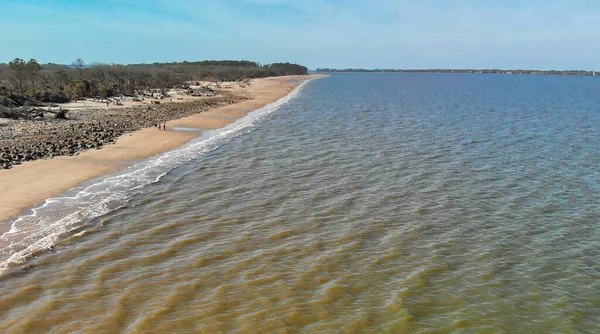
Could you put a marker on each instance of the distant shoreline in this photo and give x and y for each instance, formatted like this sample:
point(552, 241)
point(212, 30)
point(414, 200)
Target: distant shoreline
point(33, 182)
point(466, 71)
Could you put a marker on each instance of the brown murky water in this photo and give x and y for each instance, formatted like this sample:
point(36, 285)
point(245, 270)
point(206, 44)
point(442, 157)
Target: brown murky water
point(350, 209)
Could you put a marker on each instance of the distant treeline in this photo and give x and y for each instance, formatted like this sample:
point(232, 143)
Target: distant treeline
point(472, 71)
point(22, 81)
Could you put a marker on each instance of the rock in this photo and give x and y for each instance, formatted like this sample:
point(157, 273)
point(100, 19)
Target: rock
point(25, 140)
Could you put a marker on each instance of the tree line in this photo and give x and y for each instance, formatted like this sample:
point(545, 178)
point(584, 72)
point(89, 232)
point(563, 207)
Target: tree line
point(22, 81)
point(458, 71)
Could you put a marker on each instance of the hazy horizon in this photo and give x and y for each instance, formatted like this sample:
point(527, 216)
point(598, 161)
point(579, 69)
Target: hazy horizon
point(539, 35)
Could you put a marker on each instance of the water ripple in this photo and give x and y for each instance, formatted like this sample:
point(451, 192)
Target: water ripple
point(372, 203)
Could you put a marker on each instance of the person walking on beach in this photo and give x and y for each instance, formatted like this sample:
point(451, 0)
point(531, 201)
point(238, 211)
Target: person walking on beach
point(165, 127)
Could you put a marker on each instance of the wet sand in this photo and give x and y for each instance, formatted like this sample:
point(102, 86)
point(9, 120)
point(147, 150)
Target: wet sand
point(33, 182)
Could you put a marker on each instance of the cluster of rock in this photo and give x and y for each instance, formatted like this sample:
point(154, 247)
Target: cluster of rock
point(202, 91)
point(25, 140)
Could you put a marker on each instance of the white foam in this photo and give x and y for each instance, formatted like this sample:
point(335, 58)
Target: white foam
point(41, 229)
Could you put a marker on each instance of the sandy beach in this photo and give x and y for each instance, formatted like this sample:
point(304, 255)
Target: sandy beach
point(33, 182)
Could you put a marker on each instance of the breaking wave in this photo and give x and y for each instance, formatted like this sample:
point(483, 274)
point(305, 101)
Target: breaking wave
point(43, 227)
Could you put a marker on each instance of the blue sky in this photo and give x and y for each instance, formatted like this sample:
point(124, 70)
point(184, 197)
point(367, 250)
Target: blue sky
point(550, 34)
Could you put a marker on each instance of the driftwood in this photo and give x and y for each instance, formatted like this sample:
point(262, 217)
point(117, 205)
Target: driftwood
point(30, 113)
point(22, 113)
point(60, 113)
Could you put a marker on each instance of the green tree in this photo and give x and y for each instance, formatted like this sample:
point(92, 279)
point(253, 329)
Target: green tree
point(19, 69)
point(77, 89)
point(61, 79)
point(33, 70)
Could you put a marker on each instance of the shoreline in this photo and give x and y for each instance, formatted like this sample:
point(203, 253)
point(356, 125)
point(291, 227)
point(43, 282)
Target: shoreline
point(32, 182)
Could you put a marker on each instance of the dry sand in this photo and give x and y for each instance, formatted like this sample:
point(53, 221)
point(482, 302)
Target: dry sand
point(33, 182)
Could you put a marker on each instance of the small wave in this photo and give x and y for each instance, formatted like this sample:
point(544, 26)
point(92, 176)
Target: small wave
point(43, 228)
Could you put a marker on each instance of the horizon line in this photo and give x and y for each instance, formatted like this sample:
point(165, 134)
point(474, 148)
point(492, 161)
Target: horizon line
point(449, 69)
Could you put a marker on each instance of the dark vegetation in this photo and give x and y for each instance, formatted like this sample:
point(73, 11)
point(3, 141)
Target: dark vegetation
point(464, 71)
point(24, 83)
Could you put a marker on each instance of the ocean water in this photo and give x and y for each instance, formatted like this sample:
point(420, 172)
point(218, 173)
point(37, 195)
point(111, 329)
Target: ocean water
point(361, 203)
